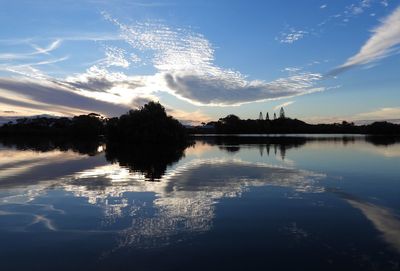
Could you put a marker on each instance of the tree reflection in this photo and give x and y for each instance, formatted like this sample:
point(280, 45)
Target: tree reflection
point(46, 144)
point(150, 160)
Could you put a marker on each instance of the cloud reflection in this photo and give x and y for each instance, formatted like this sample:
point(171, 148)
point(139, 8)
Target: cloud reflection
point(383, 219)
point(180, 202)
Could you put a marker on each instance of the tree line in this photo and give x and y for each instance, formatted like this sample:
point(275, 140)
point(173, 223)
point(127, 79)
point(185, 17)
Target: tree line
point(151, 124)
point(232, 124)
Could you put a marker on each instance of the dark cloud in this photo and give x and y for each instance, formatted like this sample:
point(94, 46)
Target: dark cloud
point(52, 95)
point(222, 91)
point(101, 84)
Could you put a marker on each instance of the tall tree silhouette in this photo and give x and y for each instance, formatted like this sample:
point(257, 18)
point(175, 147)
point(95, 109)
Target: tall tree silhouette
point(282, 113)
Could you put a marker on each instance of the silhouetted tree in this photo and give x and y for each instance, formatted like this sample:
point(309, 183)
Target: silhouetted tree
point(282, 113)
point(87, 125)
point(150, 124)
point(267, 116)
point(274, 116)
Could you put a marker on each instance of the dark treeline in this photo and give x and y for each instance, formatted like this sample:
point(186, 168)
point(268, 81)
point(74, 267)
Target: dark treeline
point(90, 125)
point(234, 125)
point(148, 124)
point(151, 124)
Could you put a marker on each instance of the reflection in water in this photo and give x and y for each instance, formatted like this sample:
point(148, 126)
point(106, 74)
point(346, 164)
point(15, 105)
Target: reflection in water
point(264, 144)
point(151, 160)
point(152, 196)
point(383, 219)
point(184, 196)
point(43, 144)
point(185, 199)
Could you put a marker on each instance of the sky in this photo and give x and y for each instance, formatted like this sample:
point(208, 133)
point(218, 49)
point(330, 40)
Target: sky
point(323, 61)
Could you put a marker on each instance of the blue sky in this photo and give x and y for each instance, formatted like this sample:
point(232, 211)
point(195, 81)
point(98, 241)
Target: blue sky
point(324, 61)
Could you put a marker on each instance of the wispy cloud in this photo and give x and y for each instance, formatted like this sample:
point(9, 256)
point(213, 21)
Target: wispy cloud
point(291, 36)
point(51, 97)
point(116, 57)
point(184, 61)
point(39, 50)
point(286, 104)
point(323, 6)
point(380, 114)
point(385, 3)
point(183, 65)
point(383, 42)
point(29, 55)
point(358, 8)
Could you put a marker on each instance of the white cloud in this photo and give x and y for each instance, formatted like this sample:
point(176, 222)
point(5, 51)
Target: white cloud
point(323, 6)
point(185, 64)
point(291, 36)
point(286, 104)
point(360, 7)
point(39, 50)
point(116, 57)
point(382, 43)
point(12, 56)
point(385, 113)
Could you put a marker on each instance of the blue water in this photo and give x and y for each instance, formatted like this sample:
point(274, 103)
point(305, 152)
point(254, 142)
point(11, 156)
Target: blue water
point(280, 204)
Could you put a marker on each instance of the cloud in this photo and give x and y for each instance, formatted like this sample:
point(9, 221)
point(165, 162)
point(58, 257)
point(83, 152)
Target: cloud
point(185, 64)
point(286, 104)
point(383, 42)
point(358, 8)
point(99, 79)
point(39, 50)
point(291, 36)
point(385, 113)
point(189, 118)
point(323, 6)
point(52, 97)
point(182, 64)
point(116, 57)
point(221, 91)
point(12, 56)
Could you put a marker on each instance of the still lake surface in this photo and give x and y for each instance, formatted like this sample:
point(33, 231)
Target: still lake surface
point(298, 203)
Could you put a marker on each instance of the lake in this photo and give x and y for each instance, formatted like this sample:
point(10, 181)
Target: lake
point(222, 203)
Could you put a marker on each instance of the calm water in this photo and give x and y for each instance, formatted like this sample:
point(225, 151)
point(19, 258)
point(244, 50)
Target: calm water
point(244, 204)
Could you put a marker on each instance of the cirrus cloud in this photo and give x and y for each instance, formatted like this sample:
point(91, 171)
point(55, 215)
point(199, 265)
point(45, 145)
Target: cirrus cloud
point(383, 42)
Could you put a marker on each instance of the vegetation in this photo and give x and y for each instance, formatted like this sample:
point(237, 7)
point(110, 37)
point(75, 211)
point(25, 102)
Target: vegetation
point(232, 124)
point(151, 124)
point(90, 125)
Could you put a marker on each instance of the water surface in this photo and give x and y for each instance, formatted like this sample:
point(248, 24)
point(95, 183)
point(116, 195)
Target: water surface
point(241, 203)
